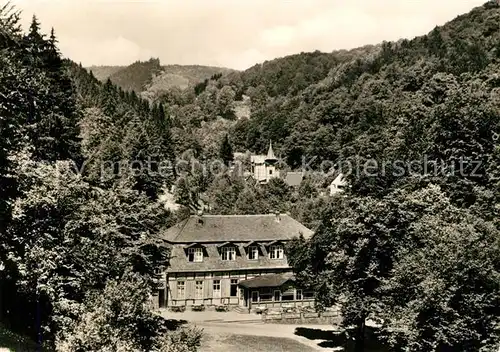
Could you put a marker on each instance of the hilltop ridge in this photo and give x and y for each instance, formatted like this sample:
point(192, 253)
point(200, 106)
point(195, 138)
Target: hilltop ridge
point(151, 76)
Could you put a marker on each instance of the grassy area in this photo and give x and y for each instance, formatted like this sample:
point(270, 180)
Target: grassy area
point(329, 339)
point(14, 342)
point(250, 343)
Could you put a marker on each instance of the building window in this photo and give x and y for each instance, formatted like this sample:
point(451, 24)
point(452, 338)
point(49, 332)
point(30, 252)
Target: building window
point(276, 252)
point(270, 172)
point(253, 253)
point(299, 295)
point(265, 297)
point(266, 294)
point(228, 253)
point(287, 296)
point(195, 254)
point(308, 295)
point(199, 289)
point(234, 288)
point(181, 289)
point(216, 288)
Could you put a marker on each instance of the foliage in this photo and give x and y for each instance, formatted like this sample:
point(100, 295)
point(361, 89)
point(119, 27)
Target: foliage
point(443, 295)
point(68, 238)
point(75, 240)
point(405, 259)
point(119, 319)
point(226, 151)
point(136, 76)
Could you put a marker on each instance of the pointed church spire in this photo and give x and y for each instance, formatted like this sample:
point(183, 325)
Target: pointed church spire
point(270, 158)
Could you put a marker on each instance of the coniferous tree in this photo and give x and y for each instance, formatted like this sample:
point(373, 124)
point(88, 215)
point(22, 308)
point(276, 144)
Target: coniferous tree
point(226, 151)
point(12, 96)
point(53, 118)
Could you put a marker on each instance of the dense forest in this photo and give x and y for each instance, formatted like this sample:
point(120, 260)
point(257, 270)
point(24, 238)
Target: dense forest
point(80, 255)
point(413, 243)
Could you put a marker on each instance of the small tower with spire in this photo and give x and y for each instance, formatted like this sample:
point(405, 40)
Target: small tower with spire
point(264, 166)
point(270, 157)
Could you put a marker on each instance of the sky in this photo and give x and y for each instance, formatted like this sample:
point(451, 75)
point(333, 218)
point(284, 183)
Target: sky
point(229, 33)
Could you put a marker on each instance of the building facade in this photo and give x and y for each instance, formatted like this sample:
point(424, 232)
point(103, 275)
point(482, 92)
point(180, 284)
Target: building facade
point(263, 167)
point(235, 260)
point(338, 184)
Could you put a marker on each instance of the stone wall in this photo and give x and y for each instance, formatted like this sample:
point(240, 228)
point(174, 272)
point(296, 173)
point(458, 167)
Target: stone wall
point(330, 318)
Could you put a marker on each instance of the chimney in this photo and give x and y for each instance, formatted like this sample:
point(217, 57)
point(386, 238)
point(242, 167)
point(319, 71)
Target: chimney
point(199, 217)
point(277, 217)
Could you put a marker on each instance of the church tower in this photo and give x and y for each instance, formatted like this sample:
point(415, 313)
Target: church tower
point(264, 165)
point(270, 157)
point(270, 164)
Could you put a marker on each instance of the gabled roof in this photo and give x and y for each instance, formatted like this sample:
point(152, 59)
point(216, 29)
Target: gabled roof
point(239, 228)
point(225, 244)
point(248, 244)
point(194, 244)
point(273, 280)
point(258, 159)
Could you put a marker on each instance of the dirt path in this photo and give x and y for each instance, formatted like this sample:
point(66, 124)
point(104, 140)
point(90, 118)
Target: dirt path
point(217, 334)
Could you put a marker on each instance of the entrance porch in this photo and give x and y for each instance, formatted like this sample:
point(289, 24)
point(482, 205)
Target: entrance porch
point(274, 291)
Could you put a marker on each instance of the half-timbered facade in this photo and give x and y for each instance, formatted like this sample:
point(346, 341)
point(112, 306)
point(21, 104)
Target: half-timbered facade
point(237, 260)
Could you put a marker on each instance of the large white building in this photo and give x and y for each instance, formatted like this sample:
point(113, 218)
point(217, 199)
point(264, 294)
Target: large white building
point(233, 260)
point(263, 167)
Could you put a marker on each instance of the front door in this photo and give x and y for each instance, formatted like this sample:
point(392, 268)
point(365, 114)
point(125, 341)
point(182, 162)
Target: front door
point(243, 297)
point(277, 296)
point(255, 296)
point(216, 291)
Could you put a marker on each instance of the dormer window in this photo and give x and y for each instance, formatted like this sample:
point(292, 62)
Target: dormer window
point(195, 254)
point(228, 253)
point(253, 253)
point(252, 250)
point(276, 251)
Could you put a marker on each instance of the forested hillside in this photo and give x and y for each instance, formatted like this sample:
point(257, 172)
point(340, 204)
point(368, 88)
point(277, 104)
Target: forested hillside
point(414, 243)
point(102, 73)
point(388, 102)
point(153, 77)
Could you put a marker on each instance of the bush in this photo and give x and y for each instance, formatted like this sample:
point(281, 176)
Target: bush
point(119, 319)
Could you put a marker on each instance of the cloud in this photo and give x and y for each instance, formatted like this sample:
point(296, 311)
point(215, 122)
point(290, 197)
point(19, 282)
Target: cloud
point(117, 51)
point(229, 33)
point(278, 36)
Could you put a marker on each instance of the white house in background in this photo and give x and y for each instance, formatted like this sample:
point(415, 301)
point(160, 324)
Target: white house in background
point(263, 167)
point(338, 184)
